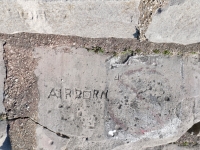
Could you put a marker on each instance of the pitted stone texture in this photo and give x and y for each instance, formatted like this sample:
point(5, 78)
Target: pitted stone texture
point(97, 121)
point(22, 134)
point(147, 99)
point(73, 92)
point(81, 18)
point(177, 23)
point(20, 96)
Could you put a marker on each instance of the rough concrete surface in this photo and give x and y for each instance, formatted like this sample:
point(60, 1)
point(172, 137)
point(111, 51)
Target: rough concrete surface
point(65, 92)
point(101, 75)
point(178, 22)
point(82, 18)
point(158, 21)
point(90, 95)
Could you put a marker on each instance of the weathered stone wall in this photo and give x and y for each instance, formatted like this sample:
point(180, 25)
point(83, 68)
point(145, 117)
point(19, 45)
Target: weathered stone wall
point(99, 74)
point(171, 21)
point(88, 18)
point(178, 22)
point(66, 92)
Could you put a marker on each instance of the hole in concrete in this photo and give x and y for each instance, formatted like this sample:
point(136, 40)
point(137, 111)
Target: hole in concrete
point(159, 10)
point(195, 129)
point(119, 106)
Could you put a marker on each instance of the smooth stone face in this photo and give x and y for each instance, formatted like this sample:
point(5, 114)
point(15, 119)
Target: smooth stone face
point(81, 18)
point(101, 103)
point(48, 141)
point(178, 23)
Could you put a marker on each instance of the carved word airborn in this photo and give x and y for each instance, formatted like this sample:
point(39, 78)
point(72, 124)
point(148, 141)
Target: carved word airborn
point(77, 94)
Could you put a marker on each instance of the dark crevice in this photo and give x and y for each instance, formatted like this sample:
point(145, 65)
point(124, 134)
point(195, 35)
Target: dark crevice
point(137, 33)
point(127, 58)
point(195, 129)
point(191, 137)
point(57, 133)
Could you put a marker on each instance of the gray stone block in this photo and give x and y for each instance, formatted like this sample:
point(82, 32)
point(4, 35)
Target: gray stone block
point(81, 18)
point(176, 23)
point(144, 101)
point(64, 92)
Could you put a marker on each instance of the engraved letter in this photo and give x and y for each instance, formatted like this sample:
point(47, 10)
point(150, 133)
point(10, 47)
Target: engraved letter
point(53, 93)
point(60, 94)
point(105, 94)
point(78, 93)
point(116, 77)
point(67, 92)
point(96, 92)
point(86, 94)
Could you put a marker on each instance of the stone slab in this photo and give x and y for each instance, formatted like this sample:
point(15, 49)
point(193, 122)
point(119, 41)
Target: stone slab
point(84, 18)
point(176, 23)
point(65, 92)
point(97, 99)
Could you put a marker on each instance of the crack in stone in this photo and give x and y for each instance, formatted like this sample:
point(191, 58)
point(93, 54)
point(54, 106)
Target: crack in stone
point(20, 95)
point(109, 46)
point(57, 133)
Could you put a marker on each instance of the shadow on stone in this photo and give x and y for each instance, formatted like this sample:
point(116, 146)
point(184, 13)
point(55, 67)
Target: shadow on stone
point(195, 129)
point(6, 144)
point(137, 33)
